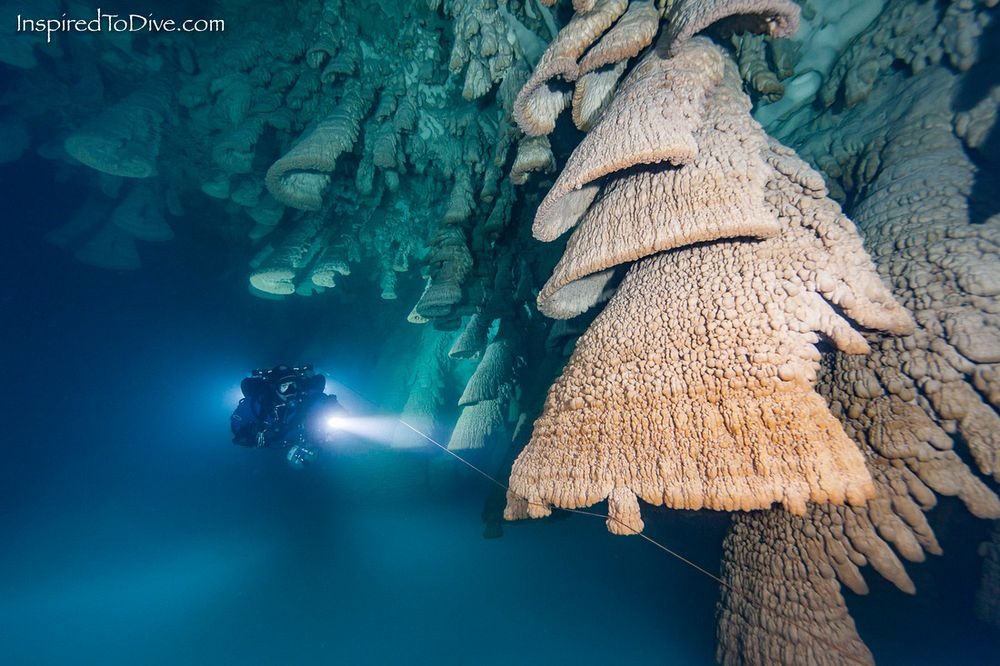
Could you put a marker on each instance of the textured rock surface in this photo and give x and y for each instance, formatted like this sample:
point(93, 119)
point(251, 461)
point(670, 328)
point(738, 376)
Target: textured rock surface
point(542, 98)
point(717, 193)
point(425, 383)
point(773, 613)
point(919, 220)
point(481, 46)
point(777, 18)
point(919, 34)
point(632, 133)
point(690, 387)
point(909, 401)
point(352, 113)
point(300, 177)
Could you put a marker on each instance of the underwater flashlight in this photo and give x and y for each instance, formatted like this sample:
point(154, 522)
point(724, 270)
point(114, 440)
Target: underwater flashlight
point(336, 422)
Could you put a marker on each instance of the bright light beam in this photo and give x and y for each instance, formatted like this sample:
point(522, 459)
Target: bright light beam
point(372, 428)
point(337, 422)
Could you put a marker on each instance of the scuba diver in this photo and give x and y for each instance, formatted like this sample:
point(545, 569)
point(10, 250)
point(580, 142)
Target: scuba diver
point(284, 408)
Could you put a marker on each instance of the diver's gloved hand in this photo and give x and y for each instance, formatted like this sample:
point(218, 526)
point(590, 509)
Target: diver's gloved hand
point(299, 456)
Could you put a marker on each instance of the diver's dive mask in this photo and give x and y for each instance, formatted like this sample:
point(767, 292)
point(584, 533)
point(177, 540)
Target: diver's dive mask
point(288, 389)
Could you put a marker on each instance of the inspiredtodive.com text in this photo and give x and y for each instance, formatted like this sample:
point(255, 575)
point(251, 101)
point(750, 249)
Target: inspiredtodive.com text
point(104, 22)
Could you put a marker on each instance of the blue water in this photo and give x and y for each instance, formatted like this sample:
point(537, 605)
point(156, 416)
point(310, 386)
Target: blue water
point(134, 532)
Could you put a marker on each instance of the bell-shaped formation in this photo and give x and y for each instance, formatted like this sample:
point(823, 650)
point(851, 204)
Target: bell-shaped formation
point(635, 134)
point(301, 175)
point(124, 140)
point(473, 339)
point(331, 264)
point(426, 392)
point(85, 220)
point(717, 193)
point(493, 373)
point(110, 248)
point(485, 399)
point(139, 214)
point(449, 258)
point(278, 273)
point(694, 387)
